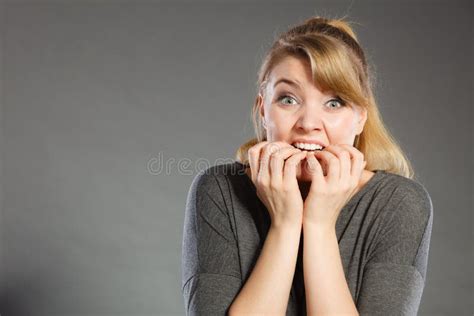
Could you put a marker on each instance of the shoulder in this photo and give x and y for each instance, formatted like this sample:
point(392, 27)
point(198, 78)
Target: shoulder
point(405, 199)
point(398, 187)
point(214, 180)
point(211, 176)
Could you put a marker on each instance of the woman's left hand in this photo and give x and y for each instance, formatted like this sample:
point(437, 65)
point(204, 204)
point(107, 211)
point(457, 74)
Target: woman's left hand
point(328, 194)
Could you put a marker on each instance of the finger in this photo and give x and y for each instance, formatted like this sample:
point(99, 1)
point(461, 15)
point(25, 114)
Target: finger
point(277, 161)
point(345, 163)
point(254, 158)
point(264, 166)
point(315, 169)
point(330, 161)
point(291, 164)
point(358, 162)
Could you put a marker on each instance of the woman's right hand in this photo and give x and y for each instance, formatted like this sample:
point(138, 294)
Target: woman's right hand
point(273, 167)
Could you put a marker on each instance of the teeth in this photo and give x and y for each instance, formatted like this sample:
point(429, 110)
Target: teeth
point(310, 147)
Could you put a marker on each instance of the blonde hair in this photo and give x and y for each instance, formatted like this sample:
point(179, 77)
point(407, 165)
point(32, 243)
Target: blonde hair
point(338, 64)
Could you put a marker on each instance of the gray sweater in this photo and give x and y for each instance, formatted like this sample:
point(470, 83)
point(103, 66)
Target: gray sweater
point(383, 233)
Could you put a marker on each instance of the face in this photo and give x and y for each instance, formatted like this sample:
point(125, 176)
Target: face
point(294, 108)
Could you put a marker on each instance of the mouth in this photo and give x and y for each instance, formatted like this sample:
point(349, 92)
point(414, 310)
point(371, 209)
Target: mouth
point(308, 147)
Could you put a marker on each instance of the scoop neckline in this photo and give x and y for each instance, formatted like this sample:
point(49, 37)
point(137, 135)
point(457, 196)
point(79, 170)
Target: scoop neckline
point(378, 174)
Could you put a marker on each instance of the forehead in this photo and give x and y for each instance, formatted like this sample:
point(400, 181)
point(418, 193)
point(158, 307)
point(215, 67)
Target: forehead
point(297, 70)
point(292, 68)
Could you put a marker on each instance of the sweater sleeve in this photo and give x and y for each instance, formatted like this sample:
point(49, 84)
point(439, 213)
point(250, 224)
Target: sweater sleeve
point(211, 276)
point(394, 275)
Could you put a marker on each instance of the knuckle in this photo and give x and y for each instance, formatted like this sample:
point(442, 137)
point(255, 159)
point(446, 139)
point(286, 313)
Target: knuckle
point(260, 179)
point(272, 146)
point(345, 154)
point(286, 188)
point(267, 150)
point(254, 151)
point(290, 162)
point(262, 184)
point(274, 185)
point(276, 155)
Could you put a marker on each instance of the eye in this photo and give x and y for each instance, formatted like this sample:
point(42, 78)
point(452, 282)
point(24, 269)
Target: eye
point(336, 101)
point(286, 97)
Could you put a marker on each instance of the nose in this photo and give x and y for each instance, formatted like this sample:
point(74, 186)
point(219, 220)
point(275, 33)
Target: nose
point(310, 118)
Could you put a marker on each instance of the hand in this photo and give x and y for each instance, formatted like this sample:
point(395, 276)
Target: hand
point(273, 171)
point(328, 194)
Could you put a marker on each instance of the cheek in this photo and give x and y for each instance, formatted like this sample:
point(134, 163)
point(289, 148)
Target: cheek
point(278, 128)
point(340, 129)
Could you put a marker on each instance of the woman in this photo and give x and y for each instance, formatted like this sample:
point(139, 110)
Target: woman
point(320, 214)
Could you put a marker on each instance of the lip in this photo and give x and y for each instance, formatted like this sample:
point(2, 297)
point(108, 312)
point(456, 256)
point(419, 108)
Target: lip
point(308, 141)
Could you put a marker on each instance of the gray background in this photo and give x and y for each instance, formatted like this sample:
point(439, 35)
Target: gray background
point(95, 93)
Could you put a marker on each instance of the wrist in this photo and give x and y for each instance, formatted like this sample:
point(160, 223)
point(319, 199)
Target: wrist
point(287, 226)
point(319, 229)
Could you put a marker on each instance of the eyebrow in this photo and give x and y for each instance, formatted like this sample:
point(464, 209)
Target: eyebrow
point(296, 84)
point(287, 81)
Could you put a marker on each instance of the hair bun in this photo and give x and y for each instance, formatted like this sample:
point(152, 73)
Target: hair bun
point(336, 28)
point(316, 24)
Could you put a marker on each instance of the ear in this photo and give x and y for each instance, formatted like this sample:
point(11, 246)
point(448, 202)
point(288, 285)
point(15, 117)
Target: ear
point(261, 109)
point(362, 113)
